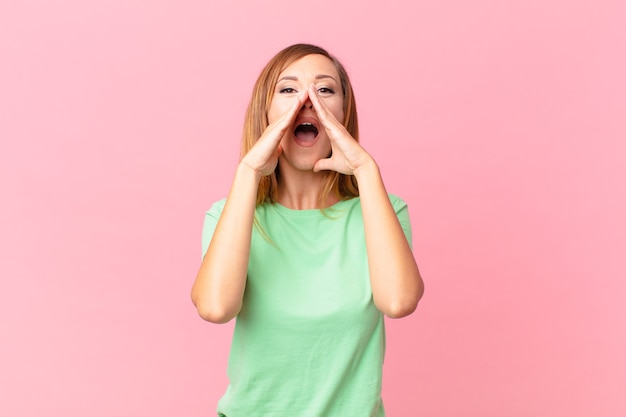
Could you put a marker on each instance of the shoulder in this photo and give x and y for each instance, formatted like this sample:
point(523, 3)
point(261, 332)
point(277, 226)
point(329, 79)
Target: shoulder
point(216, 208)
point(397, 202)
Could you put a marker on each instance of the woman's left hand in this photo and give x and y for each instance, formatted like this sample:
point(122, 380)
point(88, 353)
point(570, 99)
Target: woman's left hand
point(347, 155)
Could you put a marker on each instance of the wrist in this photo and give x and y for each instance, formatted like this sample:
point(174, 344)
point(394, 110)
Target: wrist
point(366, 169)
point(249, 169)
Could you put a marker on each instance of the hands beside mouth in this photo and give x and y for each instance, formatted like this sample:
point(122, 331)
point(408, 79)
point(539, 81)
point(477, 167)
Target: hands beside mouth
point(348, 156)
point(263, 157)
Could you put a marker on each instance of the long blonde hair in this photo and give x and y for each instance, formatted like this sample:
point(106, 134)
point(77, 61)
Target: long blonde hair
point(342, 186)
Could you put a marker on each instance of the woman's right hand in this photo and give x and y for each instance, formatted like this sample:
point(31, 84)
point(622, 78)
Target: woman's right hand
point(263, 157)
point(220, 284)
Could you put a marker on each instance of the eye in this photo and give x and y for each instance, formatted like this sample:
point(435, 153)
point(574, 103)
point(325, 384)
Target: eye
point(326, 91)
point(287, 90)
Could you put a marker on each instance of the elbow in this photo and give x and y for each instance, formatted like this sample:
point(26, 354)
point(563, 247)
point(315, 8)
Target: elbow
point(213, 312)
point(405, 305)
point(214, 315)
point(400, 309)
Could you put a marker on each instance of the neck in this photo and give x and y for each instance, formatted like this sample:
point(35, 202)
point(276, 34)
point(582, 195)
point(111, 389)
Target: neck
point(301, 190)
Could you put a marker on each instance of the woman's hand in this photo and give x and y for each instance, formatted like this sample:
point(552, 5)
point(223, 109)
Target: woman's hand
point(347, 155)
point(263, 156)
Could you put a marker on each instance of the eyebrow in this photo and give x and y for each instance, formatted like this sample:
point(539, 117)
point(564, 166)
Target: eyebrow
point(317, 77)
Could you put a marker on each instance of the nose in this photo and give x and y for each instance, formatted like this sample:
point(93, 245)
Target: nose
point(307, 104)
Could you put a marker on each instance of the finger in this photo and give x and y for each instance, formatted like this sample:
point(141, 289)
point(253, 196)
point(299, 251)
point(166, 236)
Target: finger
point(274, 133)
point(290, 115)
point(325, 116)
point(323, 165)
point(287, 118)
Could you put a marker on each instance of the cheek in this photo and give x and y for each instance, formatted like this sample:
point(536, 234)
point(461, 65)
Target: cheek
point(336, 108)
point(338, 113)
point(276, 109)
point(272, 113)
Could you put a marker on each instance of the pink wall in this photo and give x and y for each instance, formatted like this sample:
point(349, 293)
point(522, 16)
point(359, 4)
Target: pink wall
point(502, 125)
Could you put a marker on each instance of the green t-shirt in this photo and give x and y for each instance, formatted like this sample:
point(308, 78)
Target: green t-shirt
point(308, 341)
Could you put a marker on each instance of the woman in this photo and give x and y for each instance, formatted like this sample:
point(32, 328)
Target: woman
point(308, 251)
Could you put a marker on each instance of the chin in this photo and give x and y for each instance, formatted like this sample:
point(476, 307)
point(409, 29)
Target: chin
point(297, 163)
point(302, 159)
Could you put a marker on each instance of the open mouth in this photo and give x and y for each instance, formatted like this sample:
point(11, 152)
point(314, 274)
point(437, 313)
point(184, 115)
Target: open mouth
point(306, 132)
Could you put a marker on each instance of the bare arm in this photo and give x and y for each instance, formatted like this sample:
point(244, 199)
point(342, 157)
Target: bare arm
point(218, 289)
point(397, 285)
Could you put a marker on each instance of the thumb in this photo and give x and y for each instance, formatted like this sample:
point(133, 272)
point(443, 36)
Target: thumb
point(278, 151)
point(323, 164)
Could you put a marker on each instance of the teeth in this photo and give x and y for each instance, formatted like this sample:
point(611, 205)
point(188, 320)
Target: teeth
point(307, 129)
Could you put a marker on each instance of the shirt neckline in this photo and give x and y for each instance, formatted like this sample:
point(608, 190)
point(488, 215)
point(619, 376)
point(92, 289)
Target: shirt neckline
point(311, 212)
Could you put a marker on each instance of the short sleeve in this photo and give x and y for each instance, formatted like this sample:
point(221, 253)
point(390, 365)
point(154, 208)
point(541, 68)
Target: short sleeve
point(402, 211)
point(210, 222)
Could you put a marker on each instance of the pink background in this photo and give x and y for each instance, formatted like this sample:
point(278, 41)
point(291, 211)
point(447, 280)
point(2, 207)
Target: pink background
point(502, 125)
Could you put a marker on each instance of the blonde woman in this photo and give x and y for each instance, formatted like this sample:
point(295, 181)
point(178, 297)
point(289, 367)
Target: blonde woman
point(308, 252)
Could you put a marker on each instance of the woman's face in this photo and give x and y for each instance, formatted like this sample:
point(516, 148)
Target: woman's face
point(306, 142)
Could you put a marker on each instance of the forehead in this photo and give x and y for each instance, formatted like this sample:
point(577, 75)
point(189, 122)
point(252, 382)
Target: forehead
point(313, 64)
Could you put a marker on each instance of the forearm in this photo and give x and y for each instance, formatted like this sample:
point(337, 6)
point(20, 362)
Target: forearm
point(396, 282)
point(218, 289)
